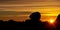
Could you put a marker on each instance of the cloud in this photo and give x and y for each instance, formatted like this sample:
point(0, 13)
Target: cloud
point(20, 1)
point(9, 0)
point(14, 13)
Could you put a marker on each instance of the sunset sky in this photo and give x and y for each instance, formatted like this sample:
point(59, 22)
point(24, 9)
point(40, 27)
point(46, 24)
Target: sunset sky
point(21, 9)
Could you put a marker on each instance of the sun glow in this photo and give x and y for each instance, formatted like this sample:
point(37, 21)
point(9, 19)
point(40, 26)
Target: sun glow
point(51, 21)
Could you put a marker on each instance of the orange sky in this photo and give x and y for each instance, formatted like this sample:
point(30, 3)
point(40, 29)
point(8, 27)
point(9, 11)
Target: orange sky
point(20, 9)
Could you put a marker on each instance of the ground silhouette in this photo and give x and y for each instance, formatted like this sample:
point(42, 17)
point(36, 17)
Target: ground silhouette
point(57, 23)
point(11, 25)
point(34, 23)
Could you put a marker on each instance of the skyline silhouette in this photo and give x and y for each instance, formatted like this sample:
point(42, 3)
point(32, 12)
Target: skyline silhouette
point(34, 23)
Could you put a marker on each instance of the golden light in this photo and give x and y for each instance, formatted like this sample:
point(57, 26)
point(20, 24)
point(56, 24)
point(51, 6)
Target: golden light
point(52, 21)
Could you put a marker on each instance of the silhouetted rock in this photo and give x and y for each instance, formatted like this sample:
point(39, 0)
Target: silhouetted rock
point(57, 23)
point(34, 22)
point(1, 21)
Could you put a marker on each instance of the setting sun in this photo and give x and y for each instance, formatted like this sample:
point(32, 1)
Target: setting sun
point(51, 20)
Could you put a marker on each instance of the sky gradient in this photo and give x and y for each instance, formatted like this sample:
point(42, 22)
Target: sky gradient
point(20, 9)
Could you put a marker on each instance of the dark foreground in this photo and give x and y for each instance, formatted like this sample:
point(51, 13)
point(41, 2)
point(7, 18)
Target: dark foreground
point(13, 25)
point(33, 23)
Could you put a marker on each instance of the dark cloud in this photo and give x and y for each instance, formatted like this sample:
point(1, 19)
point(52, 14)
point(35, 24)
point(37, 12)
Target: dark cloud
point(23, 1)
point(9, 0)
point(14, 13)
point(29, 0)
point(17, 13)
point(19, 1)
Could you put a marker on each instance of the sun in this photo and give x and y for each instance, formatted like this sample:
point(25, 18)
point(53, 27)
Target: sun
point(51, 20)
